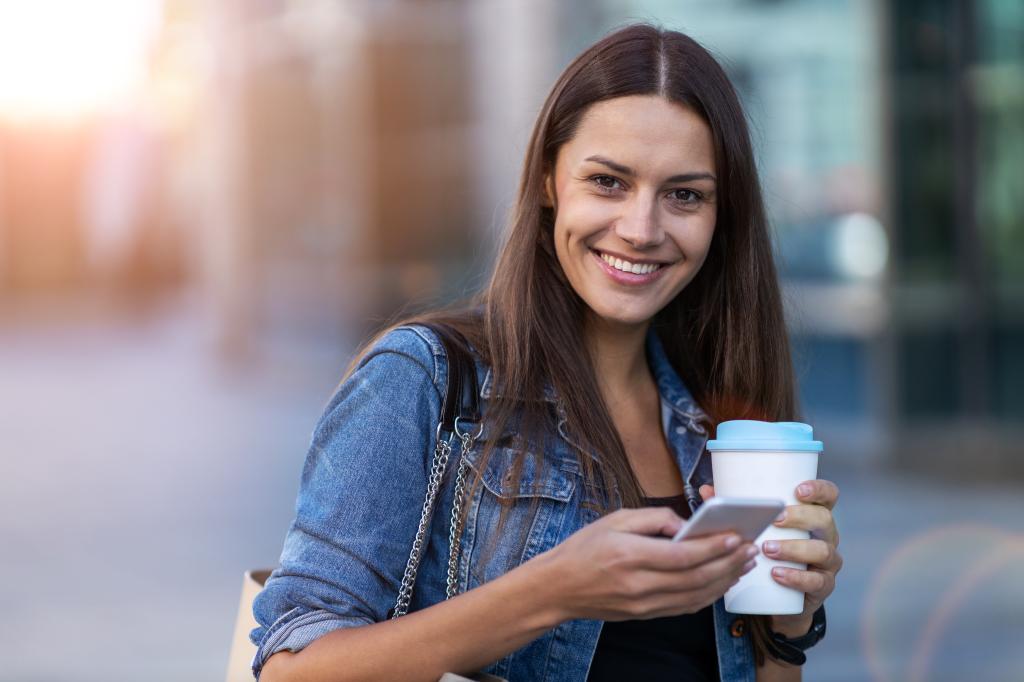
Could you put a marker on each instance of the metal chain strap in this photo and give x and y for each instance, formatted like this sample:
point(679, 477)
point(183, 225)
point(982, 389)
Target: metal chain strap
point(455, 534)
point(442, 451)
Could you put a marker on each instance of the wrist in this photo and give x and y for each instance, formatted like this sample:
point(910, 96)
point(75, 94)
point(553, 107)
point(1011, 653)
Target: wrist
point(543, 582)
point(792, 626)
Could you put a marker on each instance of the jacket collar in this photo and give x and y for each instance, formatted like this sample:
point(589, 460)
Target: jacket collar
point(670, 386)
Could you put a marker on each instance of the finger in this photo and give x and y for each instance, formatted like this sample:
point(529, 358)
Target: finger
point(817, 553)
point(724, 578)
point(646, 521)
point(674, 593)
point(810, 517)
point(825, 493)
point(660, 555)
point(704, 595)
point(721, 572)
point(672, 602)
point(707, 491)
point(816, 584)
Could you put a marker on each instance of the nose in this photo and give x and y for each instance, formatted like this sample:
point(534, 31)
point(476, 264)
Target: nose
point(640, 224)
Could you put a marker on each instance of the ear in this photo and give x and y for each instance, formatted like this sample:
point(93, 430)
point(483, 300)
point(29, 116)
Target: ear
point(548, 201)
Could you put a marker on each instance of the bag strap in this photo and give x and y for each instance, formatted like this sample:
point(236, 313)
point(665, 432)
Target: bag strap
point(461, 398)
point(461, 403)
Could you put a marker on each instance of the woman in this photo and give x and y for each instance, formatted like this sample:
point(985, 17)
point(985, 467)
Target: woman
point(634, 306)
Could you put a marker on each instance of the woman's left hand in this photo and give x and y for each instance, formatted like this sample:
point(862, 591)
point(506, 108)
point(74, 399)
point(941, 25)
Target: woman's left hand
point(820, 552)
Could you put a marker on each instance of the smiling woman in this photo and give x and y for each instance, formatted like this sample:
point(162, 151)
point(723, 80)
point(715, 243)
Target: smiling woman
point(633, 307)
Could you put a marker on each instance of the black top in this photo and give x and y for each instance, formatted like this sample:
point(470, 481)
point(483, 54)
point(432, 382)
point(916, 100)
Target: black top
point(678, 648)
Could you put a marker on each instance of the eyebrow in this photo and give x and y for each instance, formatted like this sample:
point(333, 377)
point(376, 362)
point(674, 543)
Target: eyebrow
point(626, 170)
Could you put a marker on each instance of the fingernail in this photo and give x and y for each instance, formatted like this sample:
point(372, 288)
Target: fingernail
point(749, 566)
point(732, 541)
point(751, 551)
point(780, 518)
point(804, 490)
point(779, 572)
point(771, 547)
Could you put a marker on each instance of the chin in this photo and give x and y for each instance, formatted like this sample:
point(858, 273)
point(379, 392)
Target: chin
point(627, 317)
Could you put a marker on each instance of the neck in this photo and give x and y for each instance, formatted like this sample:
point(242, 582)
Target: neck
point(620, 361)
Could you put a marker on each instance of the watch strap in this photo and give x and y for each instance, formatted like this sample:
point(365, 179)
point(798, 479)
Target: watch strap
point(791, 649)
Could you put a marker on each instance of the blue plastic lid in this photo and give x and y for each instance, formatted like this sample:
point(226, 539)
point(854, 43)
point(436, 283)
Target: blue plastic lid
point(748, 434)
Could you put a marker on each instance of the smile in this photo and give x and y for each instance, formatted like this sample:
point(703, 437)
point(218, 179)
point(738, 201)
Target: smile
point(627, 266)
point(627, 272)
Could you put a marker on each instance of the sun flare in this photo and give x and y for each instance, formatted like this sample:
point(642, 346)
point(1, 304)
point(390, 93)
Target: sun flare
point(63, 59)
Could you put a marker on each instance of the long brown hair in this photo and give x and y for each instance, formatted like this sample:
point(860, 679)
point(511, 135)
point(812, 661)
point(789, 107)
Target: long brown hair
point(724, 333)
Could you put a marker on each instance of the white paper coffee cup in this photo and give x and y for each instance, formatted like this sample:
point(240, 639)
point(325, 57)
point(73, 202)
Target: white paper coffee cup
point(764, 460)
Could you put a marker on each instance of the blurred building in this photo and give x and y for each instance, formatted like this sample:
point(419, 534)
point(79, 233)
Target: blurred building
point(358, 139)
point(957, 131)
point(41, 240)
point(302, 170)
point(82, 171)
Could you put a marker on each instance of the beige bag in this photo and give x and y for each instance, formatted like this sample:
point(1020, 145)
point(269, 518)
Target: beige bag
point(242, 650)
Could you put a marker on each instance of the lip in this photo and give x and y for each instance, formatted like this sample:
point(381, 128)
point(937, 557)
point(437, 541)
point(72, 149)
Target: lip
point(627, 278)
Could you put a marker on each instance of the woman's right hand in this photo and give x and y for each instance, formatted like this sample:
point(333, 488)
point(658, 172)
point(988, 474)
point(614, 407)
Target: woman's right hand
point(625, 566)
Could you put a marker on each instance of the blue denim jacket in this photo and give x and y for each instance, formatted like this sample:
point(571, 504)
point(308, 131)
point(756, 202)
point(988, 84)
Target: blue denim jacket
point(361, 494)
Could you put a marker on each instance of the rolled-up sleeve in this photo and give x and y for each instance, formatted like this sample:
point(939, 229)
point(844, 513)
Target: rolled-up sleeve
point(359, 501)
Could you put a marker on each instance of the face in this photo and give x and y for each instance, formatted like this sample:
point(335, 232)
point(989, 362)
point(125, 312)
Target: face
point(634, 199)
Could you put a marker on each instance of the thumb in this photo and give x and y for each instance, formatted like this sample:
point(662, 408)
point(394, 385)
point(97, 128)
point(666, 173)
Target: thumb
point(707, 491)
point(646, 521)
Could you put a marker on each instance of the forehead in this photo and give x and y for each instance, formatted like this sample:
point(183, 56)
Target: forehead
point(646, 132)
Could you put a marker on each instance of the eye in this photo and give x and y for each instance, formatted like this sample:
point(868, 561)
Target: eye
point(687, 197)
point(604, 183)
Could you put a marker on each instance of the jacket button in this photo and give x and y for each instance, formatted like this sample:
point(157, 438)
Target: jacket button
point(738, 627)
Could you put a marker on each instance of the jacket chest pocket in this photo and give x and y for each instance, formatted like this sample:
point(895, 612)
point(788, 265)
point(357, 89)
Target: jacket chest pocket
point(535, 511)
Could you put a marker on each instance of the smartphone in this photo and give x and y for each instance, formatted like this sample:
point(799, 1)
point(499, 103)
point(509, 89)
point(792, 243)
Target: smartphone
point(748, 517)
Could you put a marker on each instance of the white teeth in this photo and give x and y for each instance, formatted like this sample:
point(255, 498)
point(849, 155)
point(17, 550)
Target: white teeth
point(626, 266)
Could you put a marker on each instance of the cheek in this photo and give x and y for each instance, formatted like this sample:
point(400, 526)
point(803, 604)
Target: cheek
point(580, 216)
point(562, 238)
point(575, 225)
point(695, 237)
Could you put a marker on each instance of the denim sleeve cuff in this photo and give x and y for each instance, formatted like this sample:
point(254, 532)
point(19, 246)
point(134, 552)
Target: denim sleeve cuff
point(299, 632)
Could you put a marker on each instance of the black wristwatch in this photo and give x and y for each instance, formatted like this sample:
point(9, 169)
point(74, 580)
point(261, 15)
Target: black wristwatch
point(791, 650)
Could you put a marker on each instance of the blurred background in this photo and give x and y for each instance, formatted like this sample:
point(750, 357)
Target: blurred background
point(204, 206)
